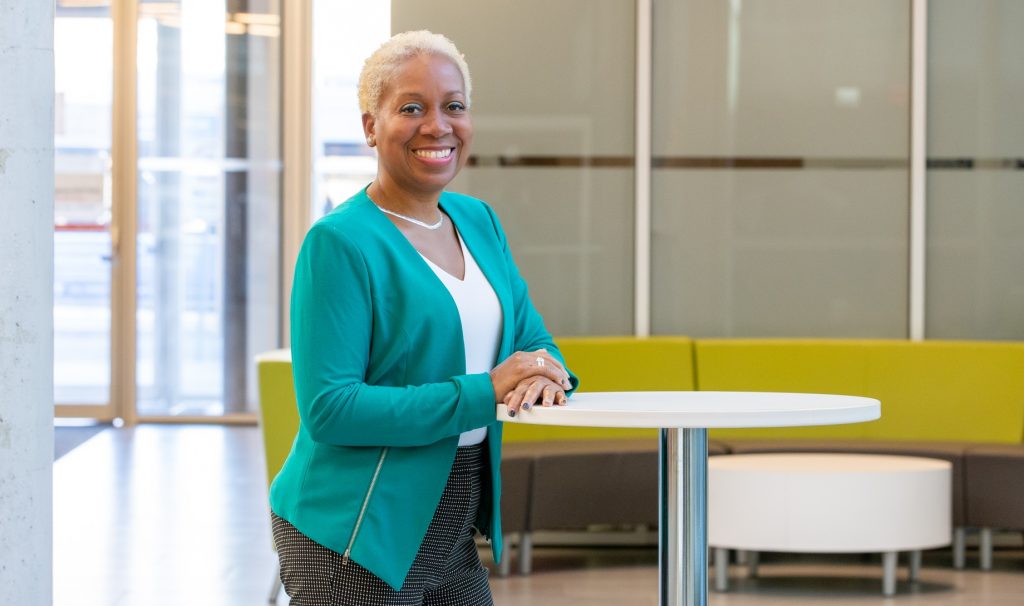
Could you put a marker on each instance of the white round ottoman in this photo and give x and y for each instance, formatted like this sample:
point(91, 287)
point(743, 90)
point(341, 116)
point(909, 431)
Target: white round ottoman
point(828, 503)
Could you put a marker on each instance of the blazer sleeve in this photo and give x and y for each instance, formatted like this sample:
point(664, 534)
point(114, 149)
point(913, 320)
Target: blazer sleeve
point(331, 329)
point(530, 333)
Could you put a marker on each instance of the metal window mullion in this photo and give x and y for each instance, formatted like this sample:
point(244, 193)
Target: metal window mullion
point(642, 169)
point(918, 166)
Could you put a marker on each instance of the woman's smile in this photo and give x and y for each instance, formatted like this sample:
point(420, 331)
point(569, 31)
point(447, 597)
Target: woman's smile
point(434, 155)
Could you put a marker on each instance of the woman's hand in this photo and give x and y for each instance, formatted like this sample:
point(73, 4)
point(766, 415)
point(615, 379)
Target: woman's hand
point(526, 394)
point(523, 365)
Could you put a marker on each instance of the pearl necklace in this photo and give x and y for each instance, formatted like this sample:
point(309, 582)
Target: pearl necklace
point(431, 226)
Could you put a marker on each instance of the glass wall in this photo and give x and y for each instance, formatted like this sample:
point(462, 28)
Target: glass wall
point(83, 56)
point(208, 202)
point(975, 254)
point(780, 180)
point(553, 111)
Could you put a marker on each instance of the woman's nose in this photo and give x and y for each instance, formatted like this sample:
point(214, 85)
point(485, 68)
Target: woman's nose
point(436, 125)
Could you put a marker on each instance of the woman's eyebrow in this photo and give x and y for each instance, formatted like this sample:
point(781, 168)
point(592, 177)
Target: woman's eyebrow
point(408, 95)
point(416, 95)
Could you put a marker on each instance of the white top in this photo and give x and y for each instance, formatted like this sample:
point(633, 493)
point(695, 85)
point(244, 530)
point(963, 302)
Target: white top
point(480, 312)
point(700, 409)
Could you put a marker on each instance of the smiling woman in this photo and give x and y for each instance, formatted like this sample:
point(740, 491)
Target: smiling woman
point(410, 322)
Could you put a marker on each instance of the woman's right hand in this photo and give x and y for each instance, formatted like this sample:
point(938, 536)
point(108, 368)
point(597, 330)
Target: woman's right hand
point(506, 376)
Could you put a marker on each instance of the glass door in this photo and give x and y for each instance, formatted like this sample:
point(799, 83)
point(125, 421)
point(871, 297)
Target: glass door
point(83, 251)
point(208, 205)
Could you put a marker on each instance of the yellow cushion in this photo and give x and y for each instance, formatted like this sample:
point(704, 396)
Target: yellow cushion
point(617, 364)
point(945, 390)
point(279, 416)
point(930, 390)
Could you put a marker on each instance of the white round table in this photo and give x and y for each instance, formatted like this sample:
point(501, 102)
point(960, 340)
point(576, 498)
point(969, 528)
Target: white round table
point(683, 418)
point(828, 503)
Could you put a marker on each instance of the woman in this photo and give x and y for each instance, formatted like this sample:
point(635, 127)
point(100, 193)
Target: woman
point(404, 301)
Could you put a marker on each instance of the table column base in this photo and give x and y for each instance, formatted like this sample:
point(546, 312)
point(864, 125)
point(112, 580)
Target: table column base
point(683, 503)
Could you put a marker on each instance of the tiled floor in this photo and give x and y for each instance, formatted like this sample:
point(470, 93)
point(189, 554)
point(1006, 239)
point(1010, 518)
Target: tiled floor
point(171, 515)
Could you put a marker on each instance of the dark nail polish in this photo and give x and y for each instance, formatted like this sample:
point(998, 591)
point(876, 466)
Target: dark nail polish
point(527, 405)
point(511, 412)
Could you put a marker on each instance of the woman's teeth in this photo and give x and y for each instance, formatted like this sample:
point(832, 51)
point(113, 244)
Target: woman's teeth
point(433, 153)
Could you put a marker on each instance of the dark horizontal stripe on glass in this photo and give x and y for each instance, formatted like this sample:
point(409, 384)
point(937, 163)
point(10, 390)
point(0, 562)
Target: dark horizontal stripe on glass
point(974, 163)
point(555, 161)
point(862, 163)
point(743, 162)
point(725, 162)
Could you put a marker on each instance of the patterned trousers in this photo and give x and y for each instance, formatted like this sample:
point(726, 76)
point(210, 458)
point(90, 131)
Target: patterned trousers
point(446, 572)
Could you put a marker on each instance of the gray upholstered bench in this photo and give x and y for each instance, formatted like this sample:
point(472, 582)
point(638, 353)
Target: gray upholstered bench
point(995, 491)
point(516, 471)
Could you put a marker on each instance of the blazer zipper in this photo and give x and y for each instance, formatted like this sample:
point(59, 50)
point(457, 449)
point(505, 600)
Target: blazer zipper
point(362, 511)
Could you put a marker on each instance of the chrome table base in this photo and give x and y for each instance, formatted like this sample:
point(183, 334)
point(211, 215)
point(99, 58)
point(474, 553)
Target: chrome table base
point(683, 517)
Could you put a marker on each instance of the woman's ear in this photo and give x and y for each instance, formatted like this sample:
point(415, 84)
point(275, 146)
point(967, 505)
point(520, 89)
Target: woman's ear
point(368, 129)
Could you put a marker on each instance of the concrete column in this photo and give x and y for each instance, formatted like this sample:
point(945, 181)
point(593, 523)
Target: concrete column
point(26, 302)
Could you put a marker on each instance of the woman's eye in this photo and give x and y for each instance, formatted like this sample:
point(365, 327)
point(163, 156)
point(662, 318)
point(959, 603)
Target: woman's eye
point(456, 106)
point(410, 108)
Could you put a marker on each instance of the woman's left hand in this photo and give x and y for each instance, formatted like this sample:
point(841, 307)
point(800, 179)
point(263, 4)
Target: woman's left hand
point(530, 390)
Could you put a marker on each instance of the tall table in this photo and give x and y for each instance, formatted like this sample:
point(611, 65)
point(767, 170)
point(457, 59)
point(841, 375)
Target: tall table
point(684, 418)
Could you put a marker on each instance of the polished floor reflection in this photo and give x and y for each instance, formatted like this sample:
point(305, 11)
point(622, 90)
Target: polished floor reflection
point(608, 577)
point(174, 515)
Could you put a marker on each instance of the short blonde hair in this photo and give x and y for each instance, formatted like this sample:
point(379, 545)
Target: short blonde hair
point(382, 64)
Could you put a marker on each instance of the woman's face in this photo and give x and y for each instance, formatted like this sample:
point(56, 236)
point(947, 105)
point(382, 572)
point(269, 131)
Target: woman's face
point(422, 128)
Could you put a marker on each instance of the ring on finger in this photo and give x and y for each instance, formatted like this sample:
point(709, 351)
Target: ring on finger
point(540, 361)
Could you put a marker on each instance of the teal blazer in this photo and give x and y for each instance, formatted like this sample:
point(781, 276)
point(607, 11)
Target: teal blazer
point(381, 384)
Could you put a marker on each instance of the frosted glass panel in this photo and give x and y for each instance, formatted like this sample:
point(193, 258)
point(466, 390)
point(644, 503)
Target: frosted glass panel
point(781, 78)
point(975, 255)
point(774, 253)
point(780, 192)
point(975, 279)
point(975, 78)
